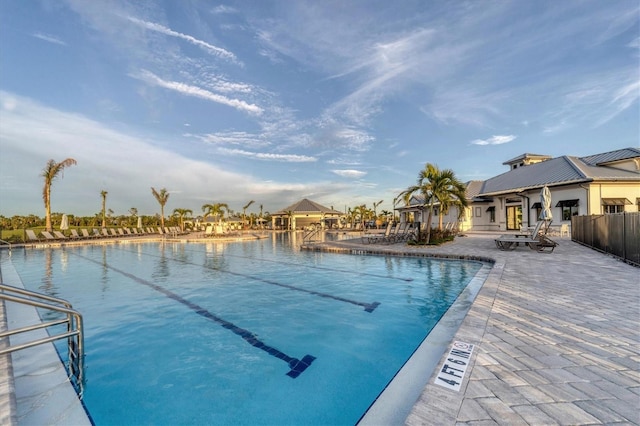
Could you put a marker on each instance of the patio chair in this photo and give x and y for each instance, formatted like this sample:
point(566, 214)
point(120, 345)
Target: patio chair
point(31, 236)
point(59, 235)
point(48, 236)
point(379, 238)
point(536, 240)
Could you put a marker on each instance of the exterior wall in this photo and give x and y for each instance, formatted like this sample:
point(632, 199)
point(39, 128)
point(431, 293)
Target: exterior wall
point(598, 191)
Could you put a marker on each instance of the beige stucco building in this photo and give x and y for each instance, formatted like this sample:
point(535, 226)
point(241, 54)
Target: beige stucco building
point(305, 213)
point(593, 185)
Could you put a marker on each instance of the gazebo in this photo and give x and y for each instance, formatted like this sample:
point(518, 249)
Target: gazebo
point(305, 213)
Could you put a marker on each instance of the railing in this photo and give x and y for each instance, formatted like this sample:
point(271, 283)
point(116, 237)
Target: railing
point(6, 242)
point(617, 234)
point(74, 333)
point(311, 233)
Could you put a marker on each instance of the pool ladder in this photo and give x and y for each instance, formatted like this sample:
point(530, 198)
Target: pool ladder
point(74, 332)
point(311, 233)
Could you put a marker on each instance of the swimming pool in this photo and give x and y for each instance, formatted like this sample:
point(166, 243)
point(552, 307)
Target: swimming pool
point(242, 333)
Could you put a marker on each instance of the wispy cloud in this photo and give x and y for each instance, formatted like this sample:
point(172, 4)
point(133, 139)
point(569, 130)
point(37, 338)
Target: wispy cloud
point(356, 174)
point(233, 138)
point(49, 38)
point(188, 90)
point(494, 140)
point(217, 51)
point(288, 158)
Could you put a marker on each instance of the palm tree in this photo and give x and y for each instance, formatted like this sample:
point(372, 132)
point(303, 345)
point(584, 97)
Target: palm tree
point(216, 209)
point(103, 194)
point(244, 210)
point(375, 212)
point(181, 214)
point(162, 198)
point(50, 172)
point(437, 185)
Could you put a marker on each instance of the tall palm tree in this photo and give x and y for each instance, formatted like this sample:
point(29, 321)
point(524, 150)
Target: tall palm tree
point(103, 194)
point(50, 172)
point(244, 210)
point(162, 198)
point(375, 207)
point(181, 214)
point(216, 209)
point(437, 186)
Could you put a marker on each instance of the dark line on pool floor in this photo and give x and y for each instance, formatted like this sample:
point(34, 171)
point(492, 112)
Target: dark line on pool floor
point(368, 307)
point(296, 365)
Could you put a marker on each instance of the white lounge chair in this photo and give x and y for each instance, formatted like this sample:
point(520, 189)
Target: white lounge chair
point(31, 236)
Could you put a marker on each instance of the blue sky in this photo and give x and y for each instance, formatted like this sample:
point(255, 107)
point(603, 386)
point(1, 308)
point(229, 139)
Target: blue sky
point(342, 102)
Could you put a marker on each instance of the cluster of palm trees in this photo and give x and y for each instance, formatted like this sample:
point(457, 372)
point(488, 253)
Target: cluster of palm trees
point(438, 187)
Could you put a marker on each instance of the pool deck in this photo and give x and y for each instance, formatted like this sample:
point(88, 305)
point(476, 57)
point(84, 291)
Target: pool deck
point(556, 335)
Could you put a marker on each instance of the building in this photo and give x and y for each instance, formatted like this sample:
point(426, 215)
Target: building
point(593, 185)
point(305, 213)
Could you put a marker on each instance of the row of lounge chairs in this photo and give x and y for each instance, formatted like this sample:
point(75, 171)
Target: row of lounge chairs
point(401, 232)
point(84, 234)
point(217, 231)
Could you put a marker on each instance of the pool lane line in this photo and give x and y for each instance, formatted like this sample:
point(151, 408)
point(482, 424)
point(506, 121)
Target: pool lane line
point(342, 271)
point(297, 366)
point(368, 307)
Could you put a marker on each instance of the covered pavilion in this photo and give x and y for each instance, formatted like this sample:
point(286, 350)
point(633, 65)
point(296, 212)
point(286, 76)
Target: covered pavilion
point(306, 213)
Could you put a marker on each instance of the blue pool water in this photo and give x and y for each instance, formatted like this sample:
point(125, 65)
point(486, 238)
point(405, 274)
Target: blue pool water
point(242, 333)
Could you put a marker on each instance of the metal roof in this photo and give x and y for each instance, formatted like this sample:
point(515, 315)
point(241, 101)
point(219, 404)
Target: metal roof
point(562, 171)
point(307, 206)
point(611, 157)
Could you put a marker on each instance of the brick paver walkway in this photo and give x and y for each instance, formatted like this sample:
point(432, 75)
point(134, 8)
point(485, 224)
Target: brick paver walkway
point(557, 339)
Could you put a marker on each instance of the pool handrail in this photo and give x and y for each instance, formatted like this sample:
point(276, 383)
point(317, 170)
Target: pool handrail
point(74, 333)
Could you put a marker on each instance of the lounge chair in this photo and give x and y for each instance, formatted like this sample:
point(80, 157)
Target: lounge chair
point(59, 235)
point(536, 240)
point(379, 238)
point(31, 236)
point(86, 235)
point(48, 236)
point(75, 235)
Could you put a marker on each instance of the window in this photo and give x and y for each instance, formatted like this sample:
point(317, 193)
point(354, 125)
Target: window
point(614, 205)
point(478, 212)
point(538, 208)
point(569, 208)
point(610, 209)
point(638, 203)
point(492, 213)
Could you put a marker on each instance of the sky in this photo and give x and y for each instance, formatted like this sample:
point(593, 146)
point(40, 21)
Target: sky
point(272, 101)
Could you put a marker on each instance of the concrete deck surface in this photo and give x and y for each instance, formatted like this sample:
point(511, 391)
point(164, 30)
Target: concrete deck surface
point(557, 339)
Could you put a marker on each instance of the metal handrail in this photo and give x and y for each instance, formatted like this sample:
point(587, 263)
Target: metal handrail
point(6, 242)
point(74, 333)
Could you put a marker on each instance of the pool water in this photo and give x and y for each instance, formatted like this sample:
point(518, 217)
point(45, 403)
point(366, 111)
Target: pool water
point(242, 333)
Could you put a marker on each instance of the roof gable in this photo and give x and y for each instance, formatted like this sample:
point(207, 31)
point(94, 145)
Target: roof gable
point(307, 206)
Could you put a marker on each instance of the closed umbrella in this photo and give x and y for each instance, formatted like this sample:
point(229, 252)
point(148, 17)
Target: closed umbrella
point(64, 224)
point(545, 202)
point(139, 222)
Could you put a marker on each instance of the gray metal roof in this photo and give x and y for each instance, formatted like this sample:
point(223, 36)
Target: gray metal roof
point(307, 206)
point(611, 157)
point(562, 171)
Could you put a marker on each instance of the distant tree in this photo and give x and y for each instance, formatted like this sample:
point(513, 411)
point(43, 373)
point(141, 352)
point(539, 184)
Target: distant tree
point(103, 194)
point(216, 209)
point(50, 172)
point(437, 186)
point(162, 197)
point(181, 214)
point(244, 211)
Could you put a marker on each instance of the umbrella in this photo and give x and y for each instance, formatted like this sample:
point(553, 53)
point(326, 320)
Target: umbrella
point(545, 202)
point(139, 222)
point(64, 224)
